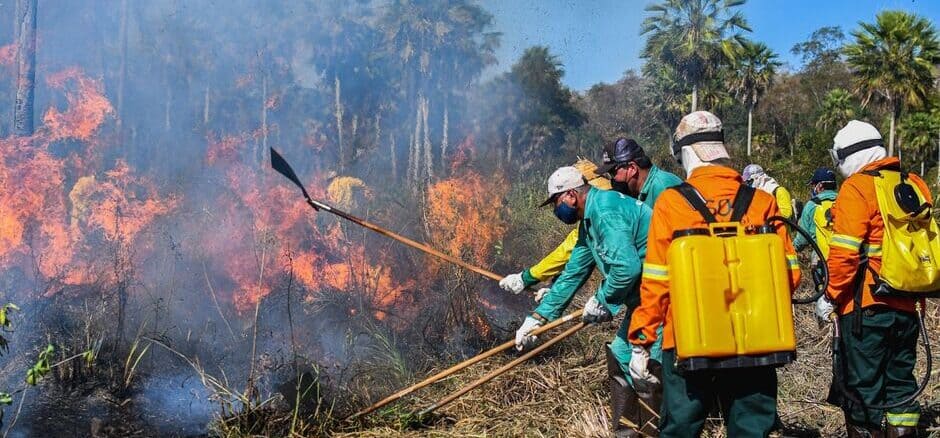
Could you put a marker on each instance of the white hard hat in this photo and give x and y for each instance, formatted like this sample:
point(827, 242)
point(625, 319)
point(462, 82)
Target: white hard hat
point(856, 145)
point(702, 131)
point(856, 136)
point(562, 180)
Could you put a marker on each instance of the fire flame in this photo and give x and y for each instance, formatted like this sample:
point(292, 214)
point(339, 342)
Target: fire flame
point(58, 216)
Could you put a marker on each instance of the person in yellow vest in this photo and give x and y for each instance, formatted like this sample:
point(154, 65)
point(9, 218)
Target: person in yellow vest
point(816, 217)
point(754, 176)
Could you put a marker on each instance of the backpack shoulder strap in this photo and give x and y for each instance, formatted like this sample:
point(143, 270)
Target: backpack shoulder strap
point(742, 200)
point(694, 199)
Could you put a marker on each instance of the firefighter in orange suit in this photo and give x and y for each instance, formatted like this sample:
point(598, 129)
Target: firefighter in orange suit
point(879, 348)
point(748, 395)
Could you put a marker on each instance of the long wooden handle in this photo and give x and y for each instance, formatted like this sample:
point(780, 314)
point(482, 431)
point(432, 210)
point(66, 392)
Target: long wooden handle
point(502, 369)
point(416, 245)
point(446, 373)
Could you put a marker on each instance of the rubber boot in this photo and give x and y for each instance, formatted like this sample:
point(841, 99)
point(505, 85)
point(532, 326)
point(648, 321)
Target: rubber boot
point(651, 402)
point(623, 399)
point(901, 431)
point(859, 431)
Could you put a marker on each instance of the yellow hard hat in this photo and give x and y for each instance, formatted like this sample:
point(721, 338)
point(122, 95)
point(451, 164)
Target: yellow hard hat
point(588, 169)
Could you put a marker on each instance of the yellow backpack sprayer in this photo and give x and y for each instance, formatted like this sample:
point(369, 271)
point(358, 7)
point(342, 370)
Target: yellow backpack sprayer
point(730, 289)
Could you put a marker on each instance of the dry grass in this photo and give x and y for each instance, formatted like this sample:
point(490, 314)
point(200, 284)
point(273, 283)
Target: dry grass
point(564, 393)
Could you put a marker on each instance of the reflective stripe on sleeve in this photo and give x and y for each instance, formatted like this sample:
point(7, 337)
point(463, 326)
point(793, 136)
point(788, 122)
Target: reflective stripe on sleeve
point(655, 272)
point(845, 242)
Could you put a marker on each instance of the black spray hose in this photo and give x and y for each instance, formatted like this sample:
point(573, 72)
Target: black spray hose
point(820, 271)
point(840, 378)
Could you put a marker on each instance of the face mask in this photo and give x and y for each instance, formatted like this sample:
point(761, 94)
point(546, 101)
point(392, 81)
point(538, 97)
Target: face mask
point(621, 186)
point(566, 213)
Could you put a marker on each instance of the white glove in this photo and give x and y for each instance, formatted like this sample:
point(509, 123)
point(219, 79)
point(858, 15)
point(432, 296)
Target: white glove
point(594, 311)
point(541, 293)
point(639, 362)
point(524, 340)
point(512, 283)
point(824, 309)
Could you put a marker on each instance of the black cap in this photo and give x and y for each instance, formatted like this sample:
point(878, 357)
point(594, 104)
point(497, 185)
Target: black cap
point(618, 152)
point(823, 174)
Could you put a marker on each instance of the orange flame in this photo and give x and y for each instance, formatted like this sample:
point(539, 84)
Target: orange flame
point(58, 227)
point(87, 107)
point(462, 216)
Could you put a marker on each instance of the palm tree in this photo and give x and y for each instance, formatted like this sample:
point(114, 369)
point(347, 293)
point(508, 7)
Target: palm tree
point(893, 60)
point(754, 70)
point(918, 132)
point(693, 37)
point(838, 108)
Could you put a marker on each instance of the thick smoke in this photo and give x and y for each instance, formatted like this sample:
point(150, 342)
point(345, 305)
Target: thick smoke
point(142, 220)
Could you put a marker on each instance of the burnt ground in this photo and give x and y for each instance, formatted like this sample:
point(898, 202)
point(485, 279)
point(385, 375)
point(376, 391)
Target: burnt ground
point(176, 406)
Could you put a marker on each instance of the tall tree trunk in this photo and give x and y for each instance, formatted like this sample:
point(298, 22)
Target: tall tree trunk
point(509, 150)
point(895, 109)
point(264, 117)
point(694, 97)
point(410, 168)
point(394, 153)
point(339, 125)
point(122, 72)
point(205, 109)
point(26, 68)
point(428, 152)
point(444, 141)
point(168, 98)
point(750, 124)
point(416, 150)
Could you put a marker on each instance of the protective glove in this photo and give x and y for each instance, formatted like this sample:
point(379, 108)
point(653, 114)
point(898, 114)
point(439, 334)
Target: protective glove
point(524, 340)
point(541, 293)
point(512, 283)
point(824, 309)
point(594, 311)
point(643, 380)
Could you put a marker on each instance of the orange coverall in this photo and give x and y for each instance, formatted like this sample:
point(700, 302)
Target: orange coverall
point(718, 185)
point(857, 226)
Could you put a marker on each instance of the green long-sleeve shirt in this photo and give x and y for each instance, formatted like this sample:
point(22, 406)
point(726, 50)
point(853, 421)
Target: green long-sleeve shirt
point(611, 237)
point(657, 181)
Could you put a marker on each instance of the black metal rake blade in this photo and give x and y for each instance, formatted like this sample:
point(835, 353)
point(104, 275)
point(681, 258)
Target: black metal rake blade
point(279, 164)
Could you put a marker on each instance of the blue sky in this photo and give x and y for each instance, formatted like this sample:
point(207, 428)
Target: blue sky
point(597, 40)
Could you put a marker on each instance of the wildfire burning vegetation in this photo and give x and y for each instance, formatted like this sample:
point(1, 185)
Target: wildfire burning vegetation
point(159, 278)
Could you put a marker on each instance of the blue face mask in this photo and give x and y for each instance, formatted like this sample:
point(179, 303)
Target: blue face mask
point(566, 213)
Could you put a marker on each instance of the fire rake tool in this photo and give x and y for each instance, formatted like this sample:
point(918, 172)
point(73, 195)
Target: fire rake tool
point(493, 374)
point(281, 166)
point(452, 370)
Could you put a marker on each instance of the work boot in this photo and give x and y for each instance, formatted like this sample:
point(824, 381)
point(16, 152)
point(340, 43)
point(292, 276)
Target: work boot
point(650, 402)
point(859, 431)
point(624, 403)
point(623, 408)
point(901, 431)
